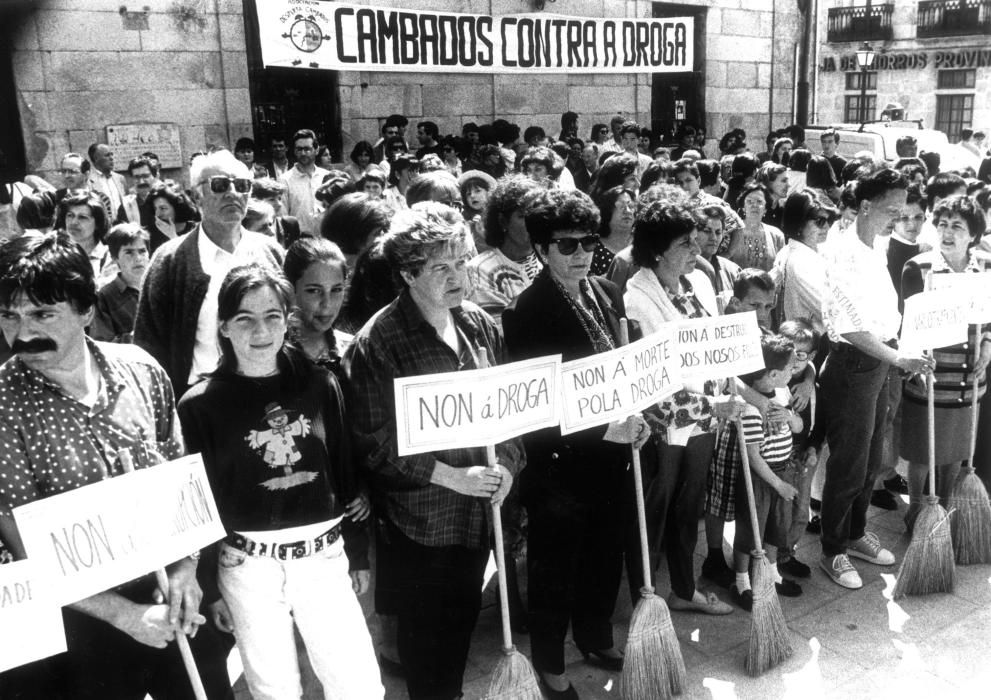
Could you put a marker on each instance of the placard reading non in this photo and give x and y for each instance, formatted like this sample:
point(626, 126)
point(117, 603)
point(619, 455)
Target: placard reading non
point(96, 537)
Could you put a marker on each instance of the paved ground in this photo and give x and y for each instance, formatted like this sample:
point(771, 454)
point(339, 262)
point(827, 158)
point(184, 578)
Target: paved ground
point(847, 644)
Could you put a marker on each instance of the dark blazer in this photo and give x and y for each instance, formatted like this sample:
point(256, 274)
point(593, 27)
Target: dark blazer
point(583, 179)
point(540, 322)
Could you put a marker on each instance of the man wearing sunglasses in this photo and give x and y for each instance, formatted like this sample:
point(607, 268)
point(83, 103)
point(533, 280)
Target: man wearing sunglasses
point(177, 312)
point(302, 181)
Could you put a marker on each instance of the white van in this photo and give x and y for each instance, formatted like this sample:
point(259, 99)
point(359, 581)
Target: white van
point(880, 137)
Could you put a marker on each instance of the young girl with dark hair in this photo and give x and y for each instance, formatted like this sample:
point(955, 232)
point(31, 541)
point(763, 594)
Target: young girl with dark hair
point(271, 428)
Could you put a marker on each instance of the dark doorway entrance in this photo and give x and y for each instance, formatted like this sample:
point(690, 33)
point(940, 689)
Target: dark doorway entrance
point(13, 17)
point(286, 99)
point(679, 98)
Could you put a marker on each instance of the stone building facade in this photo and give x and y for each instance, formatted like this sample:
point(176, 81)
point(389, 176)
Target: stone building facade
point(81, 65)
point(933, 57)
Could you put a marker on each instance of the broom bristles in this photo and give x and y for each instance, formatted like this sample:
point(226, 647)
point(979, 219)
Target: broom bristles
point(514, 679)
point(928, 564)
point(769, 643)
point(653, 667)
point(971, 522)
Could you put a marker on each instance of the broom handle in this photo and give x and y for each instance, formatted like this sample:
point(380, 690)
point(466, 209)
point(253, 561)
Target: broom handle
point(624, 339)
point(163, 584)
point(500, 555)
point(976, 385)
point(747, 479)
point(931, 411)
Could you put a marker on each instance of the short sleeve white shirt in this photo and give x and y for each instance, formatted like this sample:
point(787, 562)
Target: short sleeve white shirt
point(858, 293)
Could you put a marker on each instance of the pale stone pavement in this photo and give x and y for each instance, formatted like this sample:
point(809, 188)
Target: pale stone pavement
point(847, 644)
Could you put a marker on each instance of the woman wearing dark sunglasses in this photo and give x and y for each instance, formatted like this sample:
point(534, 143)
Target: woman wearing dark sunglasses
point(572, 485)
point(799, 273)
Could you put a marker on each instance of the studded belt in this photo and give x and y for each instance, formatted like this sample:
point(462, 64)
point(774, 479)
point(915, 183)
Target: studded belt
point(284, 550)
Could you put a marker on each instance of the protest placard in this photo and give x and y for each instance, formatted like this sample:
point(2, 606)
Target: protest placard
point(610, 386)
point(934, 319)
point(476, 407)
point(974, 289)
point(719, 346)
point(96, 537)
point(30, 619)
point(341, 36)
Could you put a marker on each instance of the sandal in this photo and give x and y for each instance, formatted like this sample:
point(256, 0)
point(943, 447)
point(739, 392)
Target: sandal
point(712, 605)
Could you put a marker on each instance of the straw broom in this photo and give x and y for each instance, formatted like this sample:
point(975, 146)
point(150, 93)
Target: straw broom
point(163, 583)
point(653, 667)
point(513, 677)
point(971, 522)
point(928, 564)
point(769, 643)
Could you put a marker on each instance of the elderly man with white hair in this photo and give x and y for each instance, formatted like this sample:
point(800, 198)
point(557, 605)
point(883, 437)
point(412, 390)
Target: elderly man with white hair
point(177, 313)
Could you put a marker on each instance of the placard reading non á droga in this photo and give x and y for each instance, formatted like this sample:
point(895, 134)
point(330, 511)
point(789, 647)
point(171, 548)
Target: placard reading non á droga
point(99, 536)
point(610, 386)
point(31, 621)
point(720, 346)
point(475, 408)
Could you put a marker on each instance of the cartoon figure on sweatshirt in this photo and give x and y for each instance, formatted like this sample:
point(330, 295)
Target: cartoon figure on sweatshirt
point(278, 449)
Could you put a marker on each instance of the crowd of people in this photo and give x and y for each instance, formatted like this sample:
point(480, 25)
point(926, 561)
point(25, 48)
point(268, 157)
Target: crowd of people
point(260, 313)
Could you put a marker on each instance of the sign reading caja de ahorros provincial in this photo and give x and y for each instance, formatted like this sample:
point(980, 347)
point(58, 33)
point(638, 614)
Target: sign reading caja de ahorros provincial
point(338, 36)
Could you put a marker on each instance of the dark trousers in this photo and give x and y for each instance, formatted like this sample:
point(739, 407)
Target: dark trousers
point(438, 595)
point(104, 663)
point(575, 562)
point(982, 455)
point(855, 403)
point(674, 481)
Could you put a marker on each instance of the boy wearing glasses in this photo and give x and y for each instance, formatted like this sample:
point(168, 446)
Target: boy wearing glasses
point(177, 311)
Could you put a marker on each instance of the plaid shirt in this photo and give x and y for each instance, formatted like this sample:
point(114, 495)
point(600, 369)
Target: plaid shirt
point(399, 342)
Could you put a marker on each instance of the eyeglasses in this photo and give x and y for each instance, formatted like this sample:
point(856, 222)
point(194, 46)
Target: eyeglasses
point(66, 171)
point(803, 356)
point(821, 221)
point(568, 246)
point(222, 183)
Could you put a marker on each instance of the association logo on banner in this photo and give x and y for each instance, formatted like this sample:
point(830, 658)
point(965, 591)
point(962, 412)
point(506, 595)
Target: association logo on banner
point(339, 36)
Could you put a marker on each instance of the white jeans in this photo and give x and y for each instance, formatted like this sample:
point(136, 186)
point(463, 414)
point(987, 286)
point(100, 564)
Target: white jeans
point(266, 596)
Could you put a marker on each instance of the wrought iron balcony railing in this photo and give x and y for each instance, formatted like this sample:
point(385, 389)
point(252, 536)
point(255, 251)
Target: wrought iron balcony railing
point(860, 23)
point(953, 18)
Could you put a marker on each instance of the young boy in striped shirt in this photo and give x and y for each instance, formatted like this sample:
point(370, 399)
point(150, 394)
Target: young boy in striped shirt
point(769, 447)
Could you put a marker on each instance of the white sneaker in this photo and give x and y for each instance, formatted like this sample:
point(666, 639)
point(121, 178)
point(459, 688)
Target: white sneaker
point(869, 549)
point(841, 571)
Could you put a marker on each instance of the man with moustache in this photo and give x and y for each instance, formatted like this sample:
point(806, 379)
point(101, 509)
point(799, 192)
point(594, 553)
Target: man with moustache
point(68, 406)
point(177, 312)
point(138, 208)
point(432, 543)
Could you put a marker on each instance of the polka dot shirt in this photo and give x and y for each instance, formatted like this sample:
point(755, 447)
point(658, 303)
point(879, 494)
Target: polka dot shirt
point(51, 443)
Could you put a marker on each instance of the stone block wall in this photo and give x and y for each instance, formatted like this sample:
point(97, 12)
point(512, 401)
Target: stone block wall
point(79, 66)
